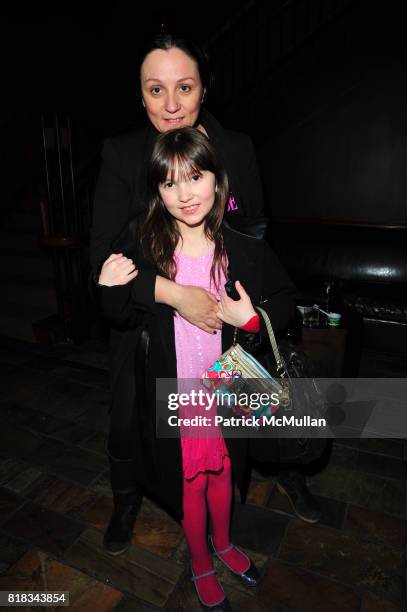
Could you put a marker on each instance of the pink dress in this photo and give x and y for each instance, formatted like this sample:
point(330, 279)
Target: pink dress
point(196, 350)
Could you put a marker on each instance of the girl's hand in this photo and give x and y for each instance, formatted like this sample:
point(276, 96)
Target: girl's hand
point(117, 270)
point(236, 312)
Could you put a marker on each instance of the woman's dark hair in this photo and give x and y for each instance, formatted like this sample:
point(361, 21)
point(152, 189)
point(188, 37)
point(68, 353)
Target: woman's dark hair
point(165, 41)
point(185, 152)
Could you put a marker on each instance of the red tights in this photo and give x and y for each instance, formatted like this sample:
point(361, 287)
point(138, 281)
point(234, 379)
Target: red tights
point(210, 491)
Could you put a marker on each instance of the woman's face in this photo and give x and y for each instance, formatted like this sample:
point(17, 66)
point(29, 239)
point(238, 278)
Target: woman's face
point(171, 88)
point(189, 199)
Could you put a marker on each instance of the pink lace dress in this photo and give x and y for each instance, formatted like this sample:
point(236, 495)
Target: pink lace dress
point(196, 350)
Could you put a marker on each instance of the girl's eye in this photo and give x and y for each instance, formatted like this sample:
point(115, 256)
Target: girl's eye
point(155, 90)
point(195, 177)
point(168, 185)
point(185, 88)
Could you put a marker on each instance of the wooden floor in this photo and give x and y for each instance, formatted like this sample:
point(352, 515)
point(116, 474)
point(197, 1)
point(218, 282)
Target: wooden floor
point(55, 503)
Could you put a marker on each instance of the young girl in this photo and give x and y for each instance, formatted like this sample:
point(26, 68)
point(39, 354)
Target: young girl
point(183, 237)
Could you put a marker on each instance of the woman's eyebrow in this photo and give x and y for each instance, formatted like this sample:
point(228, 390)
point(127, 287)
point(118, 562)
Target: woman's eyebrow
point(189, 78)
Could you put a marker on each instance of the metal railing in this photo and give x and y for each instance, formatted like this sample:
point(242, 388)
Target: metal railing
point(66, 219)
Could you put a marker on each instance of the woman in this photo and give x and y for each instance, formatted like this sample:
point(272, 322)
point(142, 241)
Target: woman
point(182, 238)
point(174, 81)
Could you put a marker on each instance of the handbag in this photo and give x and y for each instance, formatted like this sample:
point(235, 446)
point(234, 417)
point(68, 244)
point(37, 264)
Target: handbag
point(237, 371)
point(239, 375)
point(307, 399)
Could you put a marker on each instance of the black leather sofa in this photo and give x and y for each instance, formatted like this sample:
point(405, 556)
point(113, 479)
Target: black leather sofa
point(368, 267)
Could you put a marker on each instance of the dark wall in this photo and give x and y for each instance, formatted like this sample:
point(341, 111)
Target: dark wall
point(82, 63)
point(331, 123)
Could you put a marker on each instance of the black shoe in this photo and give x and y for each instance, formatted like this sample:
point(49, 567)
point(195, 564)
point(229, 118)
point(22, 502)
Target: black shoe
point(119, 533)
point(304, 504)
point(250, 577)
point(222, 606)
point(127, 498)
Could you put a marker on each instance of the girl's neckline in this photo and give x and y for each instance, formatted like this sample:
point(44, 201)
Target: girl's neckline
point(208, 252)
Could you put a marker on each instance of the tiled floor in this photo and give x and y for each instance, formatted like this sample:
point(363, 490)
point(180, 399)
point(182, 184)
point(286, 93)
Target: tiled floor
point(55, 502)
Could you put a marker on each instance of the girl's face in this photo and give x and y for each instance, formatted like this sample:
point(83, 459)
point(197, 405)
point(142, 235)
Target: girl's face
point(189, 199)
point(172, 89)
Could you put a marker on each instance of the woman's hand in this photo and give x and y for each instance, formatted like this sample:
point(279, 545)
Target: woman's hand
point(117, 270)
point(199, 307)
point(236, 312)
point(194, 304)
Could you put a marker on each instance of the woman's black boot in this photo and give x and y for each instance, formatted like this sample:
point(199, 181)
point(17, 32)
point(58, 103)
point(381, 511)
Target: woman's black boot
point(127, 497)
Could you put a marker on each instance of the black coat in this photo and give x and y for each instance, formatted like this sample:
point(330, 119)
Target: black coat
point(120, 190)
point(120, 195)
point(253, 263)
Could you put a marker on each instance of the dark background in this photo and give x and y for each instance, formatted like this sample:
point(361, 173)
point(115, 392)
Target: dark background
point(321, 87)
point(82, 63)
point(328, 117)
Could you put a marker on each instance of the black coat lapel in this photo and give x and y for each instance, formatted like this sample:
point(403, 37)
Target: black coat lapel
point(145, 151)
point(243, 267)
point(241, 256)
point(227, 154)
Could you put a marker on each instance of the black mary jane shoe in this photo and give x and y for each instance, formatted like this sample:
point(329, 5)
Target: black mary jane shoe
point(250, 577)
point(222, 606)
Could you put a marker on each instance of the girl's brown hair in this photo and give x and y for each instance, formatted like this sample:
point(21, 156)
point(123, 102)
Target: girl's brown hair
point(187, 152)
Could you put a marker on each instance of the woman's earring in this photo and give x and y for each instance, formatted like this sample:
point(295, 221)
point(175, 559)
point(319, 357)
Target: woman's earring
point(143, 103)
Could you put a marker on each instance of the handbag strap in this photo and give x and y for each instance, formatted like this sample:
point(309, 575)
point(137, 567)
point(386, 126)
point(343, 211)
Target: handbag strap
point(281, 370)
